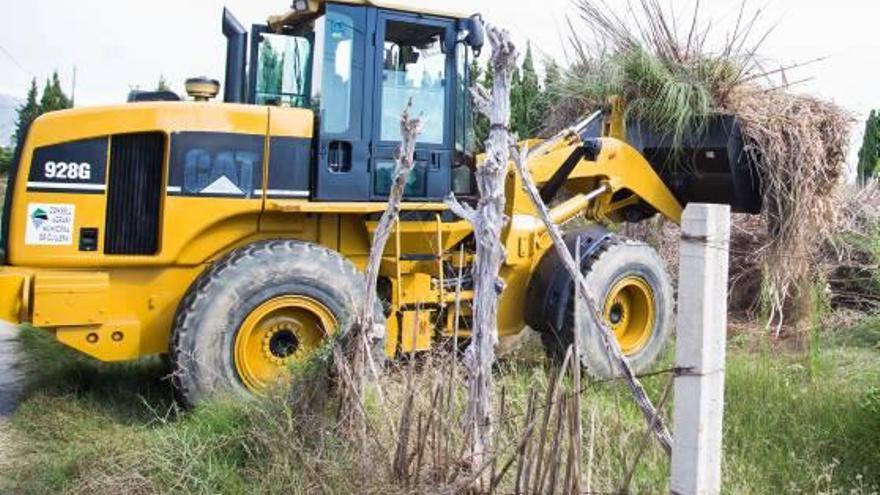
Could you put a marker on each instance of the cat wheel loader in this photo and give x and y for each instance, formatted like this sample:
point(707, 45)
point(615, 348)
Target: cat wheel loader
point(231, 235)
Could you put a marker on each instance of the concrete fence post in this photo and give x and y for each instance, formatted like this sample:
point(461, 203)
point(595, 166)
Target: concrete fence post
point(699, 355)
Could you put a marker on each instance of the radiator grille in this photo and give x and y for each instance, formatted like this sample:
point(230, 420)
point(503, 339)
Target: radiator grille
point(134, 194)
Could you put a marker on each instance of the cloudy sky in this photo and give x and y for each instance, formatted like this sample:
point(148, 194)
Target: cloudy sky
point(119, 44)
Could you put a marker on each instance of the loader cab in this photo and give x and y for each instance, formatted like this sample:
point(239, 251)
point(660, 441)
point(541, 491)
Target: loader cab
point(357, 67)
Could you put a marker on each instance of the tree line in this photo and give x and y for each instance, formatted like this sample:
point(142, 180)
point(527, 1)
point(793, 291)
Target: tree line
point(52, 98)
point(531, 98)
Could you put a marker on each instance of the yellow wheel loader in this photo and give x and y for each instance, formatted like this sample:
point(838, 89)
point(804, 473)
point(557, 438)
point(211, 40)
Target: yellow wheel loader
point(231, 236)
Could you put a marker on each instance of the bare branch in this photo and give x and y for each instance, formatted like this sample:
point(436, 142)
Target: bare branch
point(482, 100)
point(488, 220)
point(461, 210)
point(365, 328)
point(612, 347)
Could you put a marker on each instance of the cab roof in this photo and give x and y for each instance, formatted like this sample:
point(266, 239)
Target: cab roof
point(304, 9)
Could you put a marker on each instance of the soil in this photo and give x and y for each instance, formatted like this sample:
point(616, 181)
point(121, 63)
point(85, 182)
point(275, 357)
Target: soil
point(10, 390)
point(10, 375)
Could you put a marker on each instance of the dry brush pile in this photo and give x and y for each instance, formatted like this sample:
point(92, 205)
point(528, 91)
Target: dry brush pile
point(673, 70)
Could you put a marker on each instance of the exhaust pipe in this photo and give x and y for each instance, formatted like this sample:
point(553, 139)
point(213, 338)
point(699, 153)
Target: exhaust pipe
point(236, 47)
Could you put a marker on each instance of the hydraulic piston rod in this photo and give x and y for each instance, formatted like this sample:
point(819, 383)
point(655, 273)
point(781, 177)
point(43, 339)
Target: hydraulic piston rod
point(572, 207)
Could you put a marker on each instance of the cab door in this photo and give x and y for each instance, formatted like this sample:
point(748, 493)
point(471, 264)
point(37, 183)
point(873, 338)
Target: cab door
point(412, 63)
point(343, 148)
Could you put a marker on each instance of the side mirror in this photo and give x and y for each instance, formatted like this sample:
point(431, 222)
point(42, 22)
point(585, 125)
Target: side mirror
point(476, 36)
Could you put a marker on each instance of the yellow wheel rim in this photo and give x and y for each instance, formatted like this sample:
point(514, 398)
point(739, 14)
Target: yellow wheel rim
point(276, 334)
point(629, 310)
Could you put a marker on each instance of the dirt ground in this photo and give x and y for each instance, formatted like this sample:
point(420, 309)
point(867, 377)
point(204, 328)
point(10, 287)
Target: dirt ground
point(10, 389)
point(10, 376)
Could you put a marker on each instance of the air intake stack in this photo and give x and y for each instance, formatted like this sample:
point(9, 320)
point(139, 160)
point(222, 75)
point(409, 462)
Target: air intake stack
point(236, 48)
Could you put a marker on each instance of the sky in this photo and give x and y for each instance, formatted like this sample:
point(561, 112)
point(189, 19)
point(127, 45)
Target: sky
point(119, 44)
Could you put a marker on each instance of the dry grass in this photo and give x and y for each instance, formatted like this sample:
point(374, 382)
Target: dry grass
point(792, 425)
point(800, 144)
point(845, 266)
point(673, 70)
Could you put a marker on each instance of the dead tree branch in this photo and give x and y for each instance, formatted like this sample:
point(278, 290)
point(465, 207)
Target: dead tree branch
point(612, 347)
point(365, 329)
point(488, 220)
point(410, 128)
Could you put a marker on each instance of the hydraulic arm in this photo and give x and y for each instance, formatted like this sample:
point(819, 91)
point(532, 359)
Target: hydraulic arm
point(603, 176)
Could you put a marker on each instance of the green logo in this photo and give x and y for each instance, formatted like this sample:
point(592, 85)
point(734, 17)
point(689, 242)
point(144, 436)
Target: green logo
point(39, 217)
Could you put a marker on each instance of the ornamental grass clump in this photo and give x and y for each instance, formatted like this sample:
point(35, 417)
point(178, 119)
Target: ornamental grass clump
point(673, 71)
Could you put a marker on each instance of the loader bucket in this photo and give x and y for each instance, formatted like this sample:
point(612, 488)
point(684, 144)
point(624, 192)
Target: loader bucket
point(709, 167)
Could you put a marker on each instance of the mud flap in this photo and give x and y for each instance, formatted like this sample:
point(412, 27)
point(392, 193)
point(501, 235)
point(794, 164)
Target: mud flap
point(14, 296)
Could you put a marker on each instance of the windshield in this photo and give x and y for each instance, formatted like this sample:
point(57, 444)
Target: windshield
point(465, 136)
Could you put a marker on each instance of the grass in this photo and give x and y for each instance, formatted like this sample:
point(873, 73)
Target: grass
point(794, 428)
point(794, 424)
point(670, 79)
point(674, 100)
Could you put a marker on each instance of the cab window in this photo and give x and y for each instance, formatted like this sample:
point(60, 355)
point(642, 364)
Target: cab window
point(284, 71)
point(465, 137)
point(335, 33)
point(414, 68)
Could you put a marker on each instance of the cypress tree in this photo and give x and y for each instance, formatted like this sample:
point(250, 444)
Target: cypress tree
point(484, 78)
point(516, 102)
point(550, 93)
point(27, 112)
point(162, 85)
point(53, 96)
point(526, 96)
point(5, 160)
point(869, 155)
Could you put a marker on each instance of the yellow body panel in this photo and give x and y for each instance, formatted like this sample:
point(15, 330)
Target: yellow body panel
point(303, 206)
point(190, 232)
point(122, 307)
point(14, 289)
point(71, 298)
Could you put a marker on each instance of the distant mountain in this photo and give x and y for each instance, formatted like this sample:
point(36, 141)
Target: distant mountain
point(8, 114)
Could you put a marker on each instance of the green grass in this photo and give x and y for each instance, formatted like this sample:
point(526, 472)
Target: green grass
point(793, 424)
point(791, 429)
point(675, 99)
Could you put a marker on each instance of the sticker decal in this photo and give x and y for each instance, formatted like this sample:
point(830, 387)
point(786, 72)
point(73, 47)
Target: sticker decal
point(49, 224)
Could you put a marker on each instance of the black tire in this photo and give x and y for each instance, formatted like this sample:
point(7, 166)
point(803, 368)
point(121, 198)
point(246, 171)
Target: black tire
point(209, 317)
point(616, 260)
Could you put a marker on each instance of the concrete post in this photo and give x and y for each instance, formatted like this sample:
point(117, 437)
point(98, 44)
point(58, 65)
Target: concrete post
point(700, 344)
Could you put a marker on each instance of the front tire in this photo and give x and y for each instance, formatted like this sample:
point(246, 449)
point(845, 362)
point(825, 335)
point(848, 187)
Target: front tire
point(257, 311)
point(629, 283)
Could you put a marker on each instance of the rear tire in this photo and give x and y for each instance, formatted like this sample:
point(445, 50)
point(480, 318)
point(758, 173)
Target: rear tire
point(629, 283)
point(258, 310)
